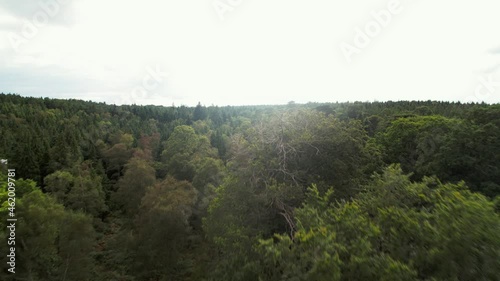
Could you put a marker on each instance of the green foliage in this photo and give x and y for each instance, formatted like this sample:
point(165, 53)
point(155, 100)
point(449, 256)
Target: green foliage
point(237, 217)
point(183, 152)
point(160, 230)
point(395, 230)
point(416, 142)
point(304, 147)
point(80, 190)
point(452, 149)
point(22, 187)
point(51, 243)
point(76, 243)
point(132, 186)
point(252, 192)
point(200, 112)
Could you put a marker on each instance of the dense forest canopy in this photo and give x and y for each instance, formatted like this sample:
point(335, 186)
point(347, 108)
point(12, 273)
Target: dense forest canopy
point(403, 190)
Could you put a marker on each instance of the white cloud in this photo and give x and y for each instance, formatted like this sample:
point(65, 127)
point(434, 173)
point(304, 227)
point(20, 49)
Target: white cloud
point(264, 52)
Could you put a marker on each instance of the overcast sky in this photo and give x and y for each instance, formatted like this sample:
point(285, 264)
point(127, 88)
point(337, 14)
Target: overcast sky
point(251, 51)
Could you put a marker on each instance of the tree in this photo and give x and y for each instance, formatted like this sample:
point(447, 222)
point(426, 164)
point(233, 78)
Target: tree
point(132, 186)
point(161, 228)
point(51, 243)
point(183, 152)
point(117, 156)
point(209, 175)
point(415, 142)
point(200, 112)
point(239, 215)
point(75, 243)
point(451, 149)
point(79, 190)
point(304, 147)
point(65, 150)
point(395, 230)
point(245, 192)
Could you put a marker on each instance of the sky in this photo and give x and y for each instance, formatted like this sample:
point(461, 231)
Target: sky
point(251, 52)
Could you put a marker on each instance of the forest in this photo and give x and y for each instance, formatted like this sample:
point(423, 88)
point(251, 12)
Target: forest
point(406, 190)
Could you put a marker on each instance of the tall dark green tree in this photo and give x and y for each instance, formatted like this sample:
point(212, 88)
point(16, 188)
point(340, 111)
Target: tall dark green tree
point(200, 112)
